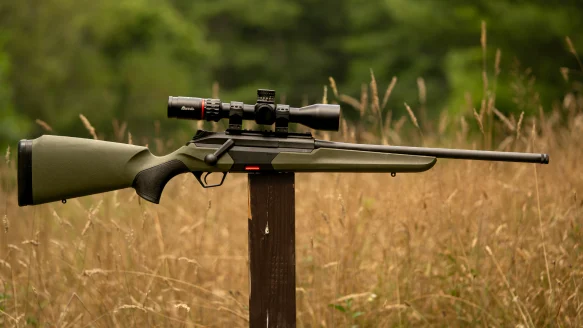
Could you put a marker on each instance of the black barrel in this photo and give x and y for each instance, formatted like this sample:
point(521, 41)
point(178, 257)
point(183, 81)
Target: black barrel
point(482, 155)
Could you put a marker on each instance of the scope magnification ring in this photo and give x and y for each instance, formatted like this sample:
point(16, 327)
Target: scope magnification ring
point(212, 109)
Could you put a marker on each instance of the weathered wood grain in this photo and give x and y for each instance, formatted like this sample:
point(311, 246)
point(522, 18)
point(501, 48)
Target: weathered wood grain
point(272, 266)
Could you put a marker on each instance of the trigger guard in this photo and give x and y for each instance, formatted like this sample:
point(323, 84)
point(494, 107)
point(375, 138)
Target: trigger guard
point(206, 176)
point(203, 181)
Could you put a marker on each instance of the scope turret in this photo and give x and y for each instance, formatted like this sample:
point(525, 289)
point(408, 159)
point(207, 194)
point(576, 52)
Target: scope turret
point(265, 111)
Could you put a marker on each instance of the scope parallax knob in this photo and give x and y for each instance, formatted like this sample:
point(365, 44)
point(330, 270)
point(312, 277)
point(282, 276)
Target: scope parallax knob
point(265, 107)
point(212, 109)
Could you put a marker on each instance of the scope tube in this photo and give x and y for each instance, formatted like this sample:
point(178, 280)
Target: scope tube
point(481, 155)
point(317, 116)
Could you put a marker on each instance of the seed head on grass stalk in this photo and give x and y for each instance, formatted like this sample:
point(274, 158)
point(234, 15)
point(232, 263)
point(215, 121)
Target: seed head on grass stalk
point(399, 124)
point(88, 126)
point(483, 42)
point(414, 119)
point(443, 122)
point(376, 105)
point(182, 306)
point(422, 90)
point(565, 73)
point(119, 130)
point(504, 119)
point(519, 124)
point(5, 223)
point(7, 156)
point(131, 306)
point(333, 86)
point(479, 119)
point(505, 143)
point(363, 99)
point(389, 91)
point(387, 127)
point(464, 126)
point(344, 128)
point(490, 106)
point(351, 101)
point(412, 116)
point(44, 125)
point(573, 51)
point(374, 93)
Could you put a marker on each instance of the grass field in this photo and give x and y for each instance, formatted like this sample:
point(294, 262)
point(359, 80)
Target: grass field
point(465, 244)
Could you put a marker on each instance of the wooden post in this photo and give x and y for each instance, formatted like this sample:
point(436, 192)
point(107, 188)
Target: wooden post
point(272, 265)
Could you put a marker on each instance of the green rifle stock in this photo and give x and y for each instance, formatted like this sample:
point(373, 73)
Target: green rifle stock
point(53, 168)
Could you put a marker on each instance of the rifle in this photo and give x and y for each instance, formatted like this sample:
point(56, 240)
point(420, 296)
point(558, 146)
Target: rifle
point(52, 168)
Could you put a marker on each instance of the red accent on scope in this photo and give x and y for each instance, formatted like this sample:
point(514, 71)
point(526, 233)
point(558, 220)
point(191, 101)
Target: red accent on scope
point(202, 109)
point(252, 168)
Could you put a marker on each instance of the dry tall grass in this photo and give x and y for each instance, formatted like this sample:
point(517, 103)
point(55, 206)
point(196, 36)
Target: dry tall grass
point(465, 244)
point(462, 244)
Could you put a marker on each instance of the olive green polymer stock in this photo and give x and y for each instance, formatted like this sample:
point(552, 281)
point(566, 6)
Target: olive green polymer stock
point(54, 168)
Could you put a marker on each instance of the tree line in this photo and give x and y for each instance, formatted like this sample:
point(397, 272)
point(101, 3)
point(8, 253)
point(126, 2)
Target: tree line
point(122, 59)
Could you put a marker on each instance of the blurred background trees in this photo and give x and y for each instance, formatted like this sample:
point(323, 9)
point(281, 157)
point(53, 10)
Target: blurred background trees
point(120, 60)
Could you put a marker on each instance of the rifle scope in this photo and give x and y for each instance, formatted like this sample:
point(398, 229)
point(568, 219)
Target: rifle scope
point(265, 111)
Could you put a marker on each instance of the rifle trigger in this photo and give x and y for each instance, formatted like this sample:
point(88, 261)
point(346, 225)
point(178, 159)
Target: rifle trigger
point(203, 182)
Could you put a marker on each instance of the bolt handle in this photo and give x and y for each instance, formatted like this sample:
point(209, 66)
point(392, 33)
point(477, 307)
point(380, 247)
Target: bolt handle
point(212, 159)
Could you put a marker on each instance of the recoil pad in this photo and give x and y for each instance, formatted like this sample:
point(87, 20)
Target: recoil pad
point(24, 172)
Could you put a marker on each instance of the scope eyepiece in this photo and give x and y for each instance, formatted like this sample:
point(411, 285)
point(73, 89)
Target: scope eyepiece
point(265, 111)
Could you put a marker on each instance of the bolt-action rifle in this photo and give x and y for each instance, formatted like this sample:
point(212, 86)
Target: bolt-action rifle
point(52, 168)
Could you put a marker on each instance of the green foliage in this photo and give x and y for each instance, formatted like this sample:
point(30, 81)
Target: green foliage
point(3, 299)
point(348, 310)
point(104, 59)
point(12, 125)
point(440, 41)
point(122, 59)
